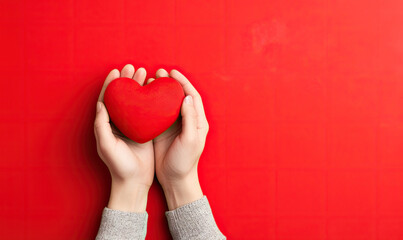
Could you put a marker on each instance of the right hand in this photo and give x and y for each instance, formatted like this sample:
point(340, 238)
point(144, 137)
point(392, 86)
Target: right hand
point(178, 149)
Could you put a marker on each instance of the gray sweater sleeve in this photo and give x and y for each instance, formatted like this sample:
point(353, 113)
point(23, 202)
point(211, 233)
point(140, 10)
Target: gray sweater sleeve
point(194, 221)
point(119, 225)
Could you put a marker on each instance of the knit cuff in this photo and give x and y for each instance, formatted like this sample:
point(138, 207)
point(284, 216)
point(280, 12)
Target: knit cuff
point(117, 224)
point(193, 221)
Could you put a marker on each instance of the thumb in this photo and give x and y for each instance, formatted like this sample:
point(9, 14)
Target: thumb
point(102, 127)
point(189, 118)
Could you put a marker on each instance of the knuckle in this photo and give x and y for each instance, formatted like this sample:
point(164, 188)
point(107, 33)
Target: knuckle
point(97, 126)
point(103, 148)
point(206, 126)
point(100, 151)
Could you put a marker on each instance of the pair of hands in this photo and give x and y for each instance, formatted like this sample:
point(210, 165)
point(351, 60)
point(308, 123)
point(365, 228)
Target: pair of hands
point(173, 155)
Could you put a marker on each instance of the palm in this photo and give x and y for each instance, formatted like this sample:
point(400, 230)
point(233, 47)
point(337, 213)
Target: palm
point(165, 145)
point(134, 158)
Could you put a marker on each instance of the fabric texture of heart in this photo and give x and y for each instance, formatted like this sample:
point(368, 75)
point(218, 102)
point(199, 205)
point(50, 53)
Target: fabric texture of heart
point(143, 112)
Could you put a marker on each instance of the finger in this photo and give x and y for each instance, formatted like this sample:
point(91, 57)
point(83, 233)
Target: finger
point(187, 86)
point(127, 71)
point(161, 73)
point(189, 119)
point(111, 76)
point(150, 80)
point(190, 90)
point(140, 76)
point(102, 127)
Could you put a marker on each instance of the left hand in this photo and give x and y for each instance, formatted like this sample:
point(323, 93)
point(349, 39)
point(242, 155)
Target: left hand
point(131, 164)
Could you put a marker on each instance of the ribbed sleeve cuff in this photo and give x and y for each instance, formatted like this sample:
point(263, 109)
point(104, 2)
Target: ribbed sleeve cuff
point(117, 224)
point(193, 221)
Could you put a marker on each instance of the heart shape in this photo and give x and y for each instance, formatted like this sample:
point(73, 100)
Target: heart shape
point(143, 112)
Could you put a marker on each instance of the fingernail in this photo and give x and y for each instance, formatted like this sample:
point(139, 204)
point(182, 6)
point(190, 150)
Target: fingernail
point(99, 106)
point(188, 99)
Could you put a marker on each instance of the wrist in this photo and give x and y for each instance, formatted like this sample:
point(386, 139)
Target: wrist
point(181, 192)
point(128, 196)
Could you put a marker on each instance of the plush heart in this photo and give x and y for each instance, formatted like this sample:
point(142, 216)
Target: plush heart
point(143, 112)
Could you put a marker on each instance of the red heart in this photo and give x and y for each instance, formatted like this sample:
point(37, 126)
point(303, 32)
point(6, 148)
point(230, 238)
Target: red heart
point(143, 112)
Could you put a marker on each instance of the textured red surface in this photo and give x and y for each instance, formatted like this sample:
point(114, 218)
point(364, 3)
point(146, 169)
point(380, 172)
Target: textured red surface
point(142, 113)
point(304, 101)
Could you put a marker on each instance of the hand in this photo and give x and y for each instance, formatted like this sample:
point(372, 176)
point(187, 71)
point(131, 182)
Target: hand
point(178, 149)
point(131, 164)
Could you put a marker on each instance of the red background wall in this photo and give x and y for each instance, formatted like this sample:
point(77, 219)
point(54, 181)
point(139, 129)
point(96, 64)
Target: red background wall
point(304, 100)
